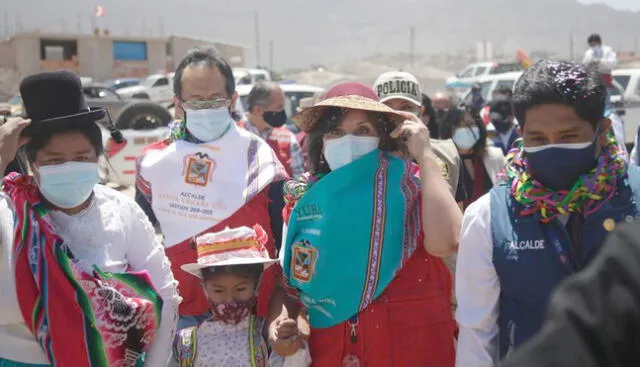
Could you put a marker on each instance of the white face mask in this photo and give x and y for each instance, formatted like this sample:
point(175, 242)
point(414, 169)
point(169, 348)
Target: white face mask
point(466, 137)
point(208, 124)
point(68, 185)
point(344, 150)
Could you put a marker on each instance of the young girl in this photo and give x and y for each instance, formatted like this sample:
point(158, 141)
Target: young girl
point(230, 264)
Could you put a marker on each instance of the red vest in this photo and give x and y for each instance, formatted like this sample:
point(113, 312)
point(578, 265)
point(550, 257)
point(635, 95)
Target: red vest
point(279, 140)
point(410, 324)
point(194, 302)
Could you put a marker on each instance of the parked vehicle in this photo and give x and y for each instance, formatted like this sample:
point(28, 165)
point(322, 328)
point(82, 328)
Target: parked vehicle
point(629, 80)
point(488, 84)
point(117, 84)
point(156, 87)
point(120, 166)
point(125, 113)
point(245, 76)
point(474, 72)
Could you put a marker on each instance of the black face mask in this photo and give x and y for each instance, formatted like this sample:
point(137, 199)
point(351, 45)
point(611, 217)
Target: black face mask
point(501, 125)
point(441, 113)
point(275, 119)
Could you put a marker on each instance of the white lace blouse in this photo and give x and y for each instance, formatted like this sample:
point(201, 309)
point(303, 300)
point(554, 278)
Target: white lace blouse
point(114, 234)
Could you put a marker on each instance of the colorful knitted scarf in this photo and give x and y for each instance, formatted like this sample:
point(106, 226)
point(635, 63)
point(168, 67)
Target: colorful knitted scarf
point(178, 131)
point(587, 195)
point(364, 219)
point(79, 318)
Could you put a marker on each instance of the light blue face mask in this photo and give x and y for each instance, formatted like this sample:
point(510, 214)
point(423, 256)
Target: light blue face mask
point(68, 185)
point(208, 124)
point(466, 137)
point(344, 150)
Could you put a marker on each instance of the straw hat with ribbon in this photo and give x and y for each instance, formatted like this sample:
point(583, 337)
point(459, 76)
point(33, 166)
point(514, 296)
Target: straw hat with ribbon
point(348, 96)
point(231, 246)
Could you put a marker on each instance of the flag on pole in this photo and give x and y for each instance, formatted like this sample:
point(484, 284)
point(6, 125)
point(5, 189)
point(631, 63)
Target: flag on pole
point(523, 58)
point(100, 11)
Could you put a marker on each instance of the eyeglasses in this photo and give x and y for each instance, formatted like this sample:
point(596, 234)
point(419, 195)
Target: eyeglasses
point(206, 104)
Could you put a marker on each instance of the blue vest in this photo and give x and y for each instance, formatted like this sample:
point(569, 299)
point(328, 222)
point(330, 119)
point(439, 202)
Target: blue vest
point(497, 141)
point(529, 267)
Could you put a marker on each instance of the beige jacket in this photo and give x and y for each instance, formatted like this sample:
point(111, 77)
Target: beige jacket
point(449, 161)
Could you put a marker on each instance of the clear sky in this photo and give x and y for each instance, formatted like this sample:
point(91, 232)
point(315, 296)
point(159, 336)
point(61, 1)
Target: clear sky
point(618, 4)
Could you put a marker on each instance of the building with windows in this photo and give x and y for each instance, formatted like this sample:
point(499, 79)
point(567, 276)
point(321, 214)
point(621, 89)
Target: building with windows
point(102, 57)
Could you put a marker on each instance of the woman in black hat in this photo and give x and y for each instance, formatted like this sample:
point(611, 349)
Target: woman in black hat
point(83, 278)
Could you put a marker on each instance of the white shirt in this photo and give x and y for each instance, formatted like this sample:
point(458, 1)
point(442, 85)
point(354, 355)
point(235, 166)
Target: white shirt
point(607, 56)
point(112, 233)
point(617, 124)
point(478, 288)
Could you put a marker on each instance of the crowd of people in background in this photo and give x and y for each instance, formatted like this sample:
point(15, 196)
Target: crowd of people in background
point(394, 229)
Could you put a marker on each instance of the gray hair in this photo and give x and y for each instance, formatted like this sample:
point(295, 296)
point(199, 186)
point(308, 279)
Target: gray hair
point(260, 94)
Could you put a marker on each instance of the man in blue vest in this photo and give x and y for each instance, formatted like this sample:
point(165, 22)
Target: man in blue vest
point(566, 185)
point(593, 317)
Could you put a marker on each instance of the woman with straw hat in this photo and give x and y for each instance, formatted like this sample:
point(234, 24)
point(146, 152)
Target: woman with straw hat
point(365, 233)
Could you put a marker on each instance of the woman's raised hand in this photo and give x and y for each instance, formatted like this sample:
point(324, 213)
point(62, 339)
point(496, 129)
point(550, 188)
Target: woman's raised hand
point(10, 140)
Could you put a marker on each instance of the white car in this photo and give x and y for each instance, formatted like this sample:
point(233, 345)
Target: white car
point(625, 98)
point(629, 80)
point(245, 76)
point(156, 87)
point(293, 93)
point(120, 166)
point(488, 84)
point(474, 72)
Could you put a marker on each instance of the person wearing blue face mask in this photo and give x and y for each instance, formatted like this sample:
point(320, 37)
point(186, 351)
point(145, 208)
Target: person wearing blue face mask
point(73, 251)
point(482, 162)
point(365, 199)
point(209, 174)
point(565, 186)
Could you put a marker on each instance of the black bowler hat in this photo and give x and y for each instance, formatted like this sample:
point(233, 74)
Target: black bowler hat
point(54, 101)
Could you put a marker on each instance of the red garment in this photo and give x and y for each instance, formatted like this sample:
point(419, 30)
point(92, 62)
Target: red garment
point(194, 302)
point(279, 140)
point(410, 324)
point(484, 114)
point(608, 80)
point(479, 182)
point(70, 312)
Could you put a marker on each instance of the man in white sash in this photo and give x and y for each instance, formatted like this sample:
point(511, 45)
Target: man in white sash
point(208, 175)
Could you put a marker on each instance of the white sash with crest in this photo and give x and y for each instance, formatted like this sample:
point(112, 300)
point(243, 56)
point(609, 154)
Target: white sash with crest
point(196, 186)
